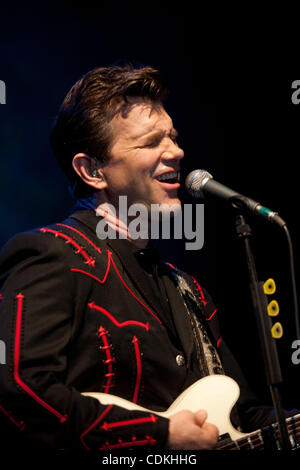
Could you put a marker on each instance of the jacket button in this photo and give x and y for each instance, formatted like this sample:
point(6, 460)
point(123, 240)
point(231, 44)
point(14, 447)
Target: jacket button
point(180, 360)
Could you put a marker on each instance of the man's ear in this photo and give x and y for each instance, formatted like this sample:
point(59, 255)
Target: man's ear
point(86, 168)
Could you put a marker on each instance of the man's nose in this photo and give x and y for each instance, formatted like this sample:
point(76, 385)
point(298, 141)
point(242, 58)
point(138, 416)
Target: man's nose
point(174, 152)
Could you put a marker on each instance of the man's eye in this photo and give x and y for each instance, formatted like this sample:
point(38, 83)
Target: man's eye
point(156, 141)
point(153, 143)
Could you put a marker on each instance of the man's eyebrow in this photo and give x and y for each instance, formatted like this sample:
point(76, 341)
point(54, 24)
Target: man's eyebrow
point(159, 133)
point(174, 132)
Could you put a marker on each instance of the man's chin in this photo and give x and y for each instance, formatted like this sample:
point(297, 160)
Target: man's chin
point(172, 204)
point(166, 209)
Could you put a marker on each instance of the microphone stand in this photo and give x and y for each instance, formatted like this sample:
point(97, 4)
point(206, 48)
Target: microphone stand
point(268, 346)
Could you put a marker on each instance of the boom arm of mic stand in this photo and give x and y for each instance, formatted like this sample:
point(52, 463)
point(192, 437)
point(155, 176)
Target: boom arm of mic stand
point(268, 346)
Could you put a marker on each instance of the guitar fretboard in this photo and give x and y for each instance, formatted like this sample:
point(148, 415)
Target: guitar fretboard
point(266, 438)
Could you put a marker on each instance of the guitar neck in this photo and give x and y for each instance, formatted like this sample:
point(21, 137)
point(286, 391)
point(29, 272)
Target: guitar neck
point(264, 439)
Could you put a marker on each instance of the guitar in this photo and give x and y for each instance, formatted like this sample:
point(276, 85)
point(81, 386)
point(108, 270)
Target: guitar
point(217, 394)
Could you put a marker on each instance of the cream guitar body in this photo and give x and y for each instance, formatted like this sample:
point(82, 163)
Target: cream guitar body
point(216, 394)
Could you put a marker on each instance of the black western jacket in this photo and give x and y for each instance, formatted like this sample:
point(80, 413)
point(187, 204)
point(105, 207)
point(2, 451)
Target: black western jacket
point(76, 317)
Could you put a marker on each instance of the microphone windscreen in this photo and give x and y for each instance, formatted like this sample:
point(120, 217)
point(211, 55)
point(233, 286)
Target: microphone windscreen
point(195, 181)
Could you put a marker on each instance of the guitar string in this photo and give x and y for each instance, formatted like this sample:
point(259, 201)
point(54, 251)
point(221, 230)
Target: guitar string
point(244, 443)
point(293, 425)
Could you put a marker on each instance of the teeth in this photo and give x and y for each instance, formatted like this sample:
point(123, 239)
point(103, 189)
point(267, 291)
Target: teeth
point(168, 176)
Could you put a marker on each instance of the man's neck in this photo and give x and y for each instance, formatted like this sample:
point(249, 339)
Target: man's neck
point(103, 208)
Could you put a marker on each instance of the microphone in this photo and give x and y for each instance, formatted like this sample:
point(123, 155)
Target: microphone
point(200, 183)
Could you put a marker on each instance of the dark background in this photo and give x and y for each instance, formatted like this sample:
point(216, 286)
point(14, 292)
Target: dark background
point(235, 119)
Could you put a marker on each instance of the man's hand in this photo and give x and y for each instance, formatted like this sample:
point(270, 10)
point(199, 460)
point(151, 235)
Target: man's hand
point(189, 430)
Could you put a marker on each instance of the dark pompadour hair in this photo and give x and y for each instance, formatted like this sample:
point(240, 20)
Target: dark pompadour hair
point(83, 120)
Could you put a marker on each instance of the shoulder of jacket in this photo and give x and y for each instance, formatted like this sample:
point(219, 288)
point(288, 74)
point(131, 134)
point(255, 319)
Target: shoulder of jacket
point(34, 243)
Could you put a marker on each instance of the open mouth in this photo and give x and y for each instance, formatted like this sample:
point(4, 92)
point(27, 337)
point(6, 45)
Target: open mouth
point(169, 178)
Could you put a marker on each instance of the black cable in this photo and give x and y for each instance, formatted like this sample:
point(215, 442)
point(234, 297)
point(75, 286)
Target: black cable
point(293, 279)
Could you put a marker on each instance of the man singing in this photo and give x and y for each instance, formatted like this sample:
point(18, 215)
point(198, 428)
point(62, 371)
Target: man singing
point(81, 313)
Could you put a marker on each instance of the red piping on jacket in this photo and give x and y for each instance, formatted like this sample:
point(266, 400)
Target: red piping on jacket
point(98, 420)
point(219, 341)
point(171, 266)
point(83, 236)
point(202, 297)
point(123, 282)
point(147, 441)
point(102, 333)
point(31, 393)
point(80, 249)
point(135, 342)
point(92, 305)
point(101, 281)
point(209, 318)
point(91, 275)
point(151, 419)
point(21, 425)
point(109, 261)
